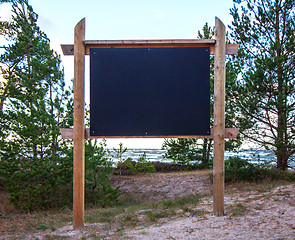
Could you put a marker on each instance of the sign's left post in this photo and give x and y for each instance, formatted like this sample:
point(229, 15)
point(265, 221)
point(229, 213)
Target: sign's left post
point(79, 129)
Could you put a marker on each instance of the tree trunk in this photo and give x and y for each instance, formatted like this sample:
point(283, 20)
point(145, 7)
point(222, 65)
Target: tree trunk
point(281, 150)
point(205, 160)
point(282, 162)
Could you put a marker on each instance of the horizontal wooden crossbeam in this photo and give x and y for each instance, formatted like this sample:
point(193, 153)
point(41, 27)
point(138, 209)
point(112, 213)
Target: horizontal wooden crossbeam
point(68, 49)
point(230, 133)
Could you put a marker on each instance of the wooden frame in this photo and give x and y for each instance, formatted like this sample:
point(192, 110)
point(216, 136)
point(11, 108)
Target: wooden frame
point(79, 132)
point(68, 49)
point(218, 47)
point(230, 133)
point(219, 118)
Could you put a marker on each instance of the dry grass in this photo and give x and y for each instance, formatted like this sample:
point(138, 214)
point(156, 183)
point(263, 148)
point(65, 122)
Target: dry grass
point(150, 199)
point(147, 199)
point(153, 187)
point(6, 208)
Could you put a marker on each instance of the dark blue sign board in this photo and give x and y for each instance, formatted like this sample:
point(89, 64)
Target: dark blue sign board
point(149, 91)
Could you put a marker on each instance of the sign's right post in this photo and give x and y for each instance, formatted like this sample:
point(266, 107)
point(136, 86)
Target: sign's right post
point(219, 118)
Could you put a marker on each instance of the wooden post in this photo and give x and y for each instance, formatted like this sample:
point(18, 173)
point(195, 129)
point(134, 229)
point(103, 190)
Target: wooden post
point(79, 131)
point(219, 118)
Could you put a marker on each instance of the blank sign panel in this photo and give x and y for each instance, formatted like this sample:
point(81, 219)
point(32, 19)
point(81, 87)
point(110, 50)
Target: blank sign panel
point(149, 91)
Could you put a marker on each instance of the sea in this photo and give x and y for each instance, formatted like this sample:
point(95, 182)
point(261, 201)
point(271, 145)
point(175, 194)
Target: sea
point(253, 156)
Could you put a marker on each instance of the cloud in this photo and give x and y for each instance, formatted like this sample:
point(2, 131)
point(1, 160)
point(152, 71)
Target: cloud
point(5, 12)
point(45, 24)
point(6, 15)
point(159, 14)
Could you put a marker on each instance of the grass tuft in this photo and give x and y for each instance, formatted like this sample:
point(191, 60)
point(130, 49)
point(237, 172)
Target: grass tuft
point(238, 209)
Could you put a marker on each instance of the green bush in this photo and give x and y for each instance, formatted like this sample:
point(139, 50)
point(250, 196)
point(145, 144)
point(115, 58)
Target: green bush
point(143, 165)
point(98, 168)
point(128, 166)
point(35, 183)
point(34, 167)
point(36, 164)
point(237, 169)
point(190, 152)
point(168, 167)
point(277, 174)
point(125, 167)
point(46, 183)
point(174, 167)
point(182, 151)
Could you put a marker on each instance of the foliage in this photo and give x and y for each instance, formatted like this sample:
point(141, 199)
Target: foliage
point(171, 167)
point(184, 151)
point(264, 95)
point(98, 168)
point(187, 151)
point(122, 163)
point(35, 162)
point(33, 157)
point(238, 209)
point(5, 26)
point(126, 166)
point(134, 214)
point(143, 165)
point(237, 169)
point(277, 174)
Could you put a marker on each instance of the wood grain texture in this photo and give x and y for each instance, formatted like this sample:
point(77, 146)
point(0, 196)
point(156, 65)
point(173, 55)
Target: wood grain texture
point(79, 132)
point(219, 119)
point(68, 49)
point(230, 133)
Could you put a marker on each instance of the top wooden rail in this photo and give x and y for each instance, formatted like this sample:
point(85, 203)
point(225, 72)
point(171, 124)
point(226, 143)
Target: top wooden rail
point(68, 49)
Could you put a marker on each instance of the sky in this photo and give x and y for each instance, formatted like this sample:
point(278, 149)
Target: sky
point(123, 20)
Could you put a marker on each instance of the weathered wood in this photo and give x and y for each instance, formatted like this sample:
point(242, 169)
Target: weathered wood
point(230, 133)
point(232, 49)
point(218, 47)
point(68, 49)
point(79, 132)
point(219, 118)
point(151, 42)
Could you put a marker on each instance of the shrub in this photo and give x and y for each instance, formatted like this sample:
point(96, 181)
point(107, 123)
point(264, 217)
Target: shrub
point(182, 151)
point(98, 168)
point(169, 167)
point(36, 183)
point(277, 174)
point(237, 169)
point(190, 152)
point(123, 165)
point(143, 165)
point(33, 165)
point(128, 166)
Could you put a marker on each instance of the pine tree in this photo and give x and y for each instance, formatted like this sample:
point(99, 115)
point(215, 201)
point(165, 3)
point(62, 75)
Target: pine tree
point(33, 161)
point(264, 95)
point(5, 32)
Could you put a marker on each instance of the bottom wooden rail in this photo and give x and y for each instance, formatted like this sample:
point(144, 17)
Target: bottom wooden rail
point(230, 133)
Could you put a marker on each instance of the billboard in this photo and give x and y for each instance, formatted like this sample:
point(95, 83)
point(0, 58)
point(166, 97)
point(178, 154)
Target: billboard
point(150, 91)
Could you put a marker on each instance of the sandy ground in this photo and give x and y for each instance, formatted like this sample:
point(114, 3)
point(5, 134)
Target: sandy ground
point(161, 186)
point(268, 215)
point(250, 214)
